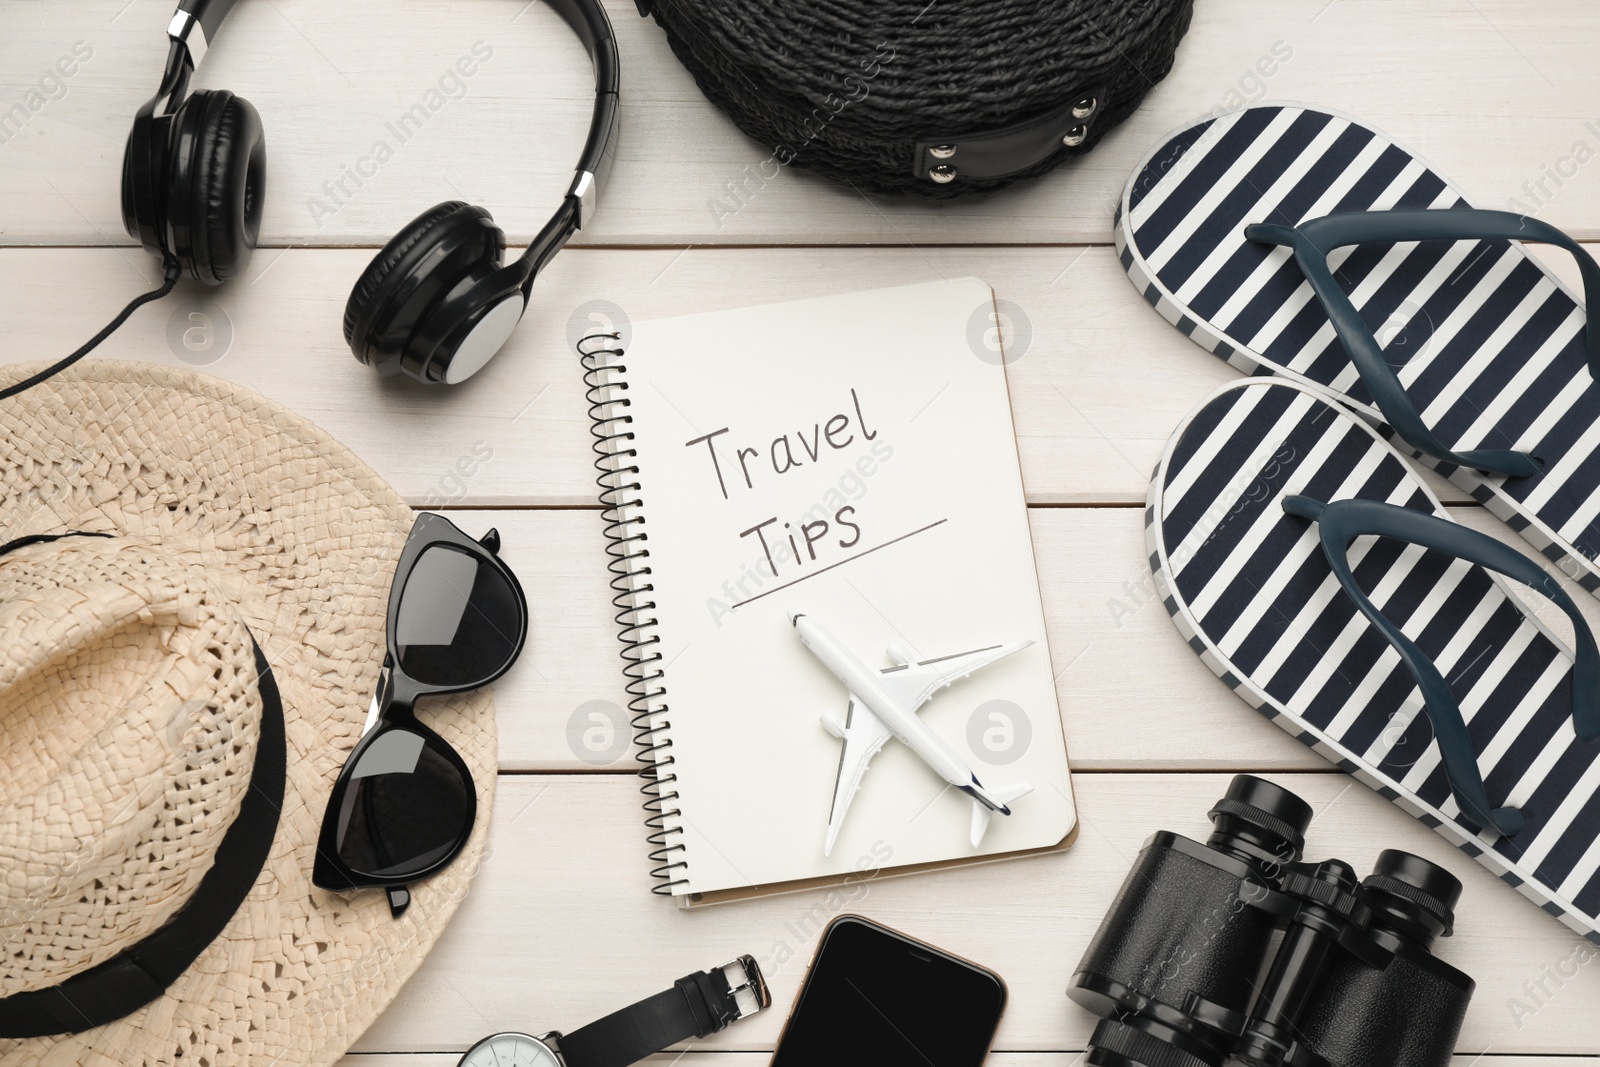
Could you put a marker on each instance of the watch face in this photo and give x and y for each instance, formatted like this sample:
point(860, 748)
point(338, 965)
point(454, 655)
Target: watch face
point(510, 1050)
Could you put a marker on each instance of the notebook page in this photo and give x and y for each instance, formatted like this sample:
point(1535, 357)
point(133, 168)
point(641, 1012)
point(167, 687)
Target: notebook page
point(852, 458)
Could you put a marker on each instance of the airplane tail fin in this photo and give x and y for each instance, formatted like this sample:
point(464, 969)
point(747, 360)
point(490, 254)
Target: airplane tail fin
point(981, 813)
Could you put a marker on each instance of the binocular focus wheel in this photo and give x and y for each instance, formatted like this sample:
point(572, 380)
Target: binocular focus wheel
point(1129, 1045)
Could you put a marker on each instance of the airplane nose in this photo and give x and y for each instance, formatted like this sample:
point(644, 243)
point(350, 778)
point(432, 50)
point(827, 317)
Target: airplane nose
point(795, 617)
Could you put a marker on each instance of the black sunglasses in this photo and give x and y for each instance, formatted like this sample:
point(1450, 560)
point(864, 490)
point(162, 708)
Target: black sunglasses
point(404, 803)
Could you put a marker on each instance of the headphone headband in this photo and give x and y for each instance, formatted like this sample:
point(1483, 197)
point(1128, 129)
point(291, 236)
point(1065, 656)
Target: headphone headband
point(196, 22)
point(593, 27)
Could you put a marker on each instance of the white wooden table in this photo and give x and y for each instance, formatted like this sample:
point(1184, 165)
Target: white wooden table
point(1504, 95)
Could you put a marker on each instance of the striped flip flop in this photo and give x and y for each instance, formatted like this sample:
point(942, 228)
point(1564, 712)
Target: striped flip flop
point(1298, 242)
point(1309, 568)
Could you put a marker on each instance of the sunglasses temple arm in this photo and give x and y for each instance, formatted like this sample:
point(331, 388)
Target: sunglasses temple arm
point(399, 900)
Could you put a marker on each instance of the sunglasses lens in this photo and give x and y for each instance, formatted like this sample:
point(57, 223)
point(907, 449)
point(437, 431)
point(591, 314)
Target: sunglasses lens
point(406, 807)
point(459, 621)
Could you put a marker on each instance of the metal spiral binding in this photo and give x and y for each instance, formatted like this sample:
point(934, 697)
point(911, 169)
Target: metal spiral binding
point(625, 536)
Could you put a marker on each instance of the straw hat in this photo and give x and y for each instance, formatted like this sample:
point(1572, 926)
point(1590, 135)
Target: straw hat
point(133, 710)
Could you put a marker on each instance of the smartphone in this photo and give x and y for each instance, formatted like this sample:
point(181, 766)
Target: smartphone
point(874, 996)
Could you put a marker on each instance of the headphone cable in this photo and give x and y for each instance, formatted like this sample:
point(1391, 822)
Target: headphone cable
point(173, 272)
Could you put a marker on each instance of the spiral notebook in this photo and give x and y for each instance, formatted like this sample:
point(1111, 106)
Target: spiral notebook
point(851, 458)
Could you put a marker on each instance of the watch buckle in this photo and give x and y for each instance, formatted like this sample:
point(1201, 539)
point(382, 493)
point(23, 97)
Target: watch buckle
point(746, 986)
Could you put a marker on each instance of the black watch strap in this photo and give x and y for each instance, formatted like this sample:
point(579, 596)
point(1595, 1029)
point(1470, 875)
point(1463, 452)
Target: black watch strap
point(697, 1005)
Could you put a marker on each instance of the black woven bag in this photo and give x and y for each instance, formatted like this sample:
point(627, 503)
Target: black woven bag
point(937, 99)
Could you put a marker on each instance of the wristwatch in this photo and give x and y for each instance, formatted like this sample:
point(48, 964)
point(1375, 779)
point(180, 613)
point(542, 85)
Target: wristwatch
point(697, 1005)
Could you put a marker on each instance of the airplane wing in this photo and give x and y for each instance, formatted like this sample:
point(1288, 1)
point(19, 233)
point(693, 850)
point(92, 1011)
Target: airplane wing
point(863, 734)
point(914, 683)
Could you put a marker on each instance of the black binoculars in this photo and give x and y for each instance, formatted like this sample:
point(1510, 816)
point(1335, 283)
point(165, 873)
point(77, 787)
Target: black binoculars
point(1187, 969)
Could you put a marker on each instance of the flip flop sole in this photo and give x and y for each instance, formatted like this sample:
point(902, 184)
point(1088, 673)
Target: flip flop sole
point(1251, 592)
point(1488, 344)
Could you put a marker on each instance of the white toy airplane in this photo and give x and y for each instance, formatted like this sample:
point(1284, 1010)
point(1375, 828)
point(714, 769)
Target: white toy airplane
point(884, 704)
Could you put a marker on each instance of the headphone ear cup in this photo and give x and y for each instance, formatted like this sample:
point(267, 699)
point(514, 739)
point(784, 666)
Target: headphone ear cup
point(424, 263)
point(216, 184)
point(144, 168)
point(360, 308)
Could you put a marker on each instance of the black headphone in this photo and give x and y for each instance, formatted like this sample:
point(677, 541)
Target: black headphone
point(438, 301)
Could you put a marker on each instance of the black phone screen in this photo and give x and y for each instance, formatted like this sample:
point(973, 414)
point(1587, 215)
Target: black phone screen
point(875, 997)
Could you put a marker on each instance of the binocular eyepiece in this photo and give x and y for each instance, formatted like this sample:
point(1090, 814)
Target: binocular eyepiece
point(1186, 970)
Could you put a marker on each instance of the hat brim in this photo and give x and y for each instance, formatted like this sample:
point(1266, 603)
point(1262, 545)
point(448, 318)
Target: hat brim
point(304, 536)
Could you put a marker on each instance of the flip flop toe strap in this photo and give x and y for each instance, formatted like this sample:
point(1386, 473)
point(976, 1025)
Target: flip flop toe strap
point(1311, 242)
point(1342, 521)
